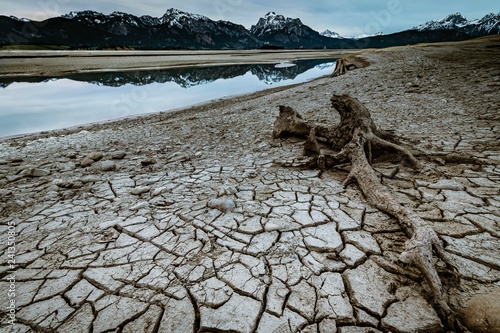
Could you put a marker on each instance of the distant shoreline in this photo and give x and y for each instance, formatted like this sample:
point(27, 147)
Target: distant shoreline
point(21, 63)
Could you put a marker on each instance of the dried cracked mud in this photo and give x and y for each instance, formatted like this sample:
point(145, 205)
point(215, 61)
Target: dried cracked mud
point(187, 222)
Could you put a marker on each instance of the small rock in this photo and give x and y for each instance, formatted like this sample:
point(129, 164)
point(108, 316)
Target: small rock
point(140, 205)
point(71, 155)
point(109, 236)
point(52, 188)
point(109, 224)
point(140, 190)
point(270, 226)
point(227, 190)
point(118, 155)
point(3, 162)
point(35, 172)
point(250, 174)
point(25, 167)
point(86, 162)
point(90, 179)
point(159, 191)
point(107, 166)
point(96, 156)
point(224, 205)
point(482, 314)
point(148, 161)
point(68, 184)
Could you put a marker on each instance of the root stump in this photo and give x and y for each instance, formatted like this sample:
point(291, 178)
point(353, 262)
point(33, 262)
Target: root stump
point(353, 140)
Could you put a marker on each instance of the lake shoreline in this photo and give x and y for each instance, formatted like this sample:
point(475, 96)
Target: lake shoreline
point(59, 63)
point(92, 98)
point(192, 109)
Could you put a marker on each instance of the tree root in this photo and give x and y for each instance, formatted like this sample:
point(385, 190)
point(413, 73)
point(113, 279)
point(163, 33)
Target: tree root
point(341, 67)
point(355, 137)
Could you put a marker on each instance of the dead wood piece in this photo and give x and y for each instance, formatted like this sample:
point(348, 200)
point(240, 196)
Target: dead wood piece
point(311, 146)
point(291, 123)
point(354, 136)
point(353, 114)
point(423, 239)
point(341, 67)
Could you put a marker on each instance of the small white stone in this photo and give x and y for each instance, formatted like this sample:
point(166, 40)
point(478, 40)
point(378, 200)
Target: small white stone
point(224, 205)
point(140, 190)
point(140, 205)
point(90, 179)
point(107, 166)
point(35, 172)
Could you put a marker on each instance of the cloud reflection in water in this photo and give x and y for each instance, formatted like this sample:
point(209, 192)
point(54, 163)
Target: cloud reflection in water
point(43, 104)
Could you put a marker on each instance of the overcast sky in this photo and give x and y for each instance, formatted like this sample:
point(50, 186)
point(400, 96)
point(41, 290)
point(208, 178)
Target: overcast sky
point(347, 17)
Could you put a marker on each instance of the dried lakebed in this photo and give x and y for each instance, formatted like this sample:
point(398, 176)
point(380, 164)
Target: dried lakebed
point(184, 222)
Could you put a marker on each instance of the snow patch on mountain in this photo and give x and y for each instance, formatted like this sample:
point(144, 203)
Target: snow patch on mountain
point(178, 18)
point(272, 22)
point(451, 22)
point(489, 24)
point(330, 34)
point(20, 19)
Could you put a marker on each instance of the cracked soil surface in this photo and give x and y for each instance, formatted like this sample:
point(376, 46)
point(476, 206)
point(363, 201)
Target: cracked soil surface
point(186, 222)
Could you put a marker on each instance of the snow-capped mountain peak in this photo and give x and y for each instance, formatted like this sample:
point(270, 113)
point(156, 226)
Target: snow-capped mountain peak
point(451, 22)
point(19, 19)
point(116, 22)
point(83, 13)
point(175, 17)
point(273, 22)
point(489, 24)
point(330, 34)
point(150, 20)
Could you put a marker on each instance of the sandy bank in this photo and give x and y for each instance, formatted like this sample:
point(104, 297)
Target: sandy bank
point(56, 63)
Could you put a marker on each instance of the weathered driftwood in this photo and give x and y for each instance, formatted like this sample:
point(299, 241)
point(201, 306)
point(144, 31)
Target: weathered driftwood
point(341, 67)
point(353, 139)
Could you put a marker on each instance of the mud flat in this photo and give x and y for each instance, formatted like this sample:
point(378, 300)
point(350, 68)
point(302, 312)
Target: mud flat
point(186, 222)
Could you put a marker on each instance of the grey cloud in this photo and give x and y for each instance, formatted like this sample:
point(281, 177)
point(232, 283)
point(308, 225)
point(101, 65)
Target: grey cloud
point(344, 16)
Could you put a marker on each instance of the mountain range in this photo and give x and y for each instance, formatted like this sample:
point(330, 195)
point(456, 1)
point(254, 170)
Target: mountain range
point(181, 30)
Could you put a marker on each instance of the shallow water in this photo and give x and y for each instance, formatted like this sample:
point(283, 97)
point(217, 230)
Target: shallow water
point(41, 104)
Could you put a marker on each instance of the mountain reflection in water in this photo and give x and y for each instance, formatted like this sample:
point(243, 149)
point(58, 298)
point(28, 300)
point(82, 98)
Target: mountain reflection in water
point(40, 104)
point(187, 77)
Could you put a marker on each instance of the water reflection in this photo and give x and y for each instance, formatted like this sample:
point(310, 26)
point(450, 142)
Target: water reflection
point(84, 98)
point(189, 77)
